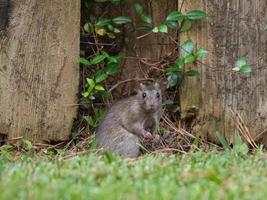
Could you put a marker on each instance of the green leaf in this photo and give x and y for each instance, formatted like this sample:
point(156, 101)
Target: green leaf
point(122, 20)
point(89, 120)
point(163, 28)
point(179, 63)
point(112, 68)
point(88, 27)
point(113, 29)
point(175, 16)
point(92, 97)
point(84, 61)
point(172, 80)
point(245, 69)
point(201, 52)
point(196, 14)
point(138, 8)
point(85, 94)
point(265, 27)
point(90, 82)
point(191, 73)
point(146, 18)
point(187, 48)
point(100, 1)
point(186, 25)
point(240, 62)
point(97, 59)
point(100, 77)
point(173, 69)
point(115, 59)
point(145, 28)
point(103, 22)
point(172, 24)
point(189, 59)
point(155, 29)
point(99, 88)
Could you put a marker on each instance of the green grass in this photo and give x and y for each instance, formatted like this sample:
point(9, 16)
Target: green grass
point(211, 175)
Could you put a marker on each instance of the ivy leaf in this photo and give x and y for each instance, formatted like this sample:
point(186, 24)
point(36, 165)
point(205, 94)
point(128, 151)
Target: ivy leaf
point(179, 63)
point(100, 1)
point(122, 20)
point(155, 29)
point(146, 18)
point(85, 94)
point(172, 24)
point(240, 62)
point(196, 14)
point(189, 59)
point(84, 61)
point(103, 22)
point(145, 28)
point(88, 27)
point(139, 9)
point(172, 80)
point(90, 82)
point(100, 31)
point(187, 48)
point(186, 25)
point(99, 88)
point(191, 73)
point(201, 52)
point(113, 29)
point(112, 68)
point(100, 77)
point(175, 16)
point(245, 68)
point(97, 59)
point(172, 69)
point(92, 97)
point(163, 28)
point(114, 59)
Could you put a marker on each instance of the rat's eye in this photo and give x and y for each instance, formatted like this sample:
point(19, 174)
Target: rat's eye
point(144, 95)
point(158, 95)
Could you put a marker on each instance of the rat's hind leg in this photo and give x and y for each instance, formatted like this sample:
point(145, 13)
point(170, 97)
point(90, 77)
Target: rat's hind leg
point(127, 144)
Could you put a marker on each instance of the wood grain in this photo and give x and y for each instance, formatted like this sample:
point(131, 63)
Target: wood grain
point(234, 28)
point(39, 74)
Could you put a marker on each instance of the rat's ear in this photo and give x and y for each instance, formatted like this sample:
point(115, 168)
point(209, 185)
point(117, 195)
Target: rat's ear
point(156, 85)
point(142, 87)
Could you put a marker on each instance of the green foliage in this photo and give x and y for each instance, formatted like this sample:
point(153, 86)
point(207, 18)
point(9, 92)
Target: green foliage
point(93, 83)
point(140, 11)
point(95, 118)
point(176, 73)
point(242, 66)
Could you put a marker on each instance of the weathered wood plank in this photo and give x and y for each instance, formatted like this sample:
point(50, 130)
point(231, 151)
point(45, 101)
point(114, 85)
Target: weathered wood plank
point(234, 28)
point(39, 74)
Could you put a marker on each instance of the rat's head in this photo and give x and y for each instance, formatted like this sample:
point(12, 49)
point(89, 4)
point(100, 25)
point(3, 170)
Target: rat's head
point(150, 97)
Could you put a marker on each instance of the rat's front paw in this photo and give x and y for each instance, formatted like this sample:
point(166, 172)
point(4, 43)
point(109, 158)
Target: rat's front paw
point(156, 138)
point(148, 135)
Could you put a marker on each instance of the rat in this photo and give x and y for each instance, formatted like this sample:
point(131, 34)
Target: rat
point(130, 120)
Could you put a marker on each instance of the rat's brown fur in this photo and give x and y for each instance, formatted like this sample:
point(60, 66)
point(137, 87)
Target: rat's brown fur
point(129, 120)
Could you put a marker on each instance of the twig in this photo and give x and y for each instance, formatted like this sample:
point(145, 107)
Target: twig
point(142, 36)
point(12, 139)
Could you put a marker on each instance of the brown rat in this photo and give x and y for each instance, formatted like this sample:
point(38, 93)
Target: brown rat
point(130, 120)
